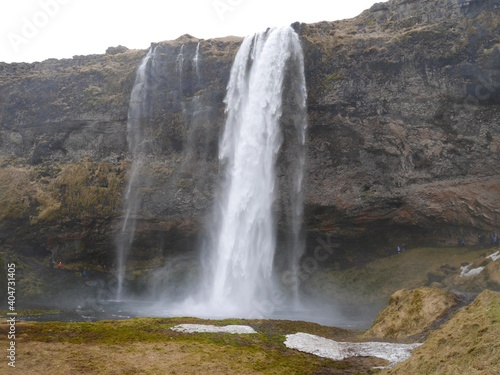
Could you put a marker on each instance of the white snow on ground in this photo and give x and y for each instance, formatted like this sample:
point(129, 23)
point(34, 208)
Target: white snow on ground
point(465, 272)
point(494, 256)
point(338, 351)
point(203, 328)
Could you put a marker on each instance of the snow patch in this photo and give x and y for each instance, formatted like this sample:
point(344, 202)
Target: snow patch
point(495, 256)
point(204, 328)
point(326, 348)
point(465, 272)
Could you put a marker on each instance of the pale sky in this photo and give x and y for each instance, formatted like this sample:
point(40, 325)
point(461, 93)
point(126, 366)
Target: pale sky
point(35, 30)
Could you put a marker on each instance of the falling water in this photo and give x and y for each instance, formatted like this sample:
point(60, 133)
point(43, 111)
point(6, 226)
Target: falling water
point(193, 110)
point(245, 238)
point(180, 60)
point(136, 139)
point(296, 202)
point(196, 60)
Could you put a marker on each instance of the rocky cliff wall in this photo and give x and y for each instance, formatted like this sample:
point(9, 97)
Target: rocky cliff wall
point(403, 139)
point(64, 155)
point(404, 112)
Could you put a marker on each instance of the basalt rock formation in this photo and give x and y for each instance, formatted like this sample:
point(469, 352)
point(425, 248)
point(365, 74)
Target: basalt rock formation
point(404, 108)
point(403, 138)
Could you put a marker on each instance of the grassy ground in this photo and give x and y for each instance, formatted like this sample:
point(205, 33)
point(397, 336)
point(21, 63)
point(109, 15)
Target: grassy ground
point(148, 346)
point(469, 343)
point(375, 282)
point(411, 313)
point(466, 344)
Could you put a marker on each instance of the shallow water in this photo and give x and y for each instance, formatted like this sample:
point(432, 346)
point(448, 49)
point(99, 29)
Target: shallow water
point(352, 318)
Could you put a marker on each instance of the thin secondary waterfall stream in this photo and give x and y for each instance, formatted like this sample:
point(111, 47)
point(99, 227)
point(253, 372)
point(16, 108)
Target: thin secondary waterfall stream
point(137, 113)
point(242, 279)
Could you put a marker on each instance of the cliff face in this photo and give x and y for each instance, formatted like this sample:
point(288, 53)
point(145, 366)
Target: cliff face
point(403, 139)
point(404, 112)
point(64, 154)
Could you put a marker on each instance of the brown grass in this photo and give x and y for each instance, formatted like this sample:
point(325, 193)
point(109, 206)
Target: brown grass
point(148, 346)
point(81, 189)
point(139, 358)
point(469, 343)
point(411, 312)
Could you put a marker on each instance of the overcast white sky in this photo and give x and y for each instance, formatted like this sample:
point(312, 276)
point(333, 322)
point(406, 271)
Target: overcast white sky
point(34, 30)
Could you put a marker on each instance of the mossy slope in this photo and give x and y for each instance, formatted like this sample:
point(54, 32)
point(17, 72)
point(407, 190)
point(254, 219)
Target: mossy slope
point(411, 312)
point(467, 344)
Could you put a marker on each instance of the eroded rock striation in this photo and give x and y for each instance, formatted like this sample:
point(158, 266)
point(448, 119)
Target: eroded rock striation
point(403, 138)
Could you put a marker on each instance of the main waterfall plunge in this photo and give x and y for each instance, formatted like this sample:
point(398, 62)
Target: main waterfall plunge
point(239, 277)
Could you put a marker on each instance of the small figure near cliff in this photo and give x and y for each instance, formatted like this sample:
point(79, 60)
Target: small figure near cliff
point(59, 265)
point(461, 242)
point(494, 239)
point(481, 238)
point(398, 249)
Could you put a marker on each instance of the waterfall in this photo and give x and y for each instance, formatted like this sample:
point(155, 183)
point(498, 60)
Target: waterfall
point(137, 140)
point(265, 105)
point(296, 245)
point(196, 60)
point(191, 103)
point(180, 61)
point(242, 256)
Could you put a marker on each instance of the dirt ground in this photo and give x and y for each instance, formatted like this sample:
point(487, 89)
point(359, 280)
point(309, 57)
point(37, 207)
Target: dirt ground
point(159, 358)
